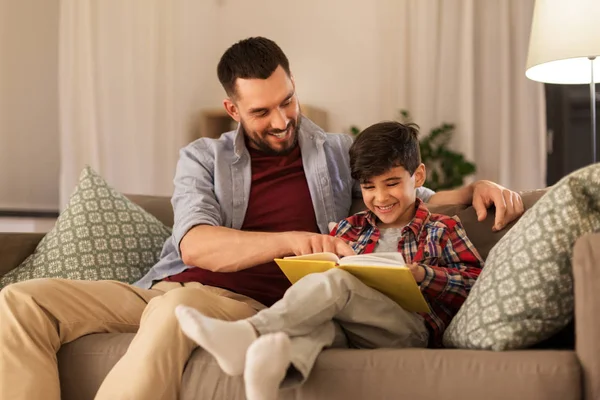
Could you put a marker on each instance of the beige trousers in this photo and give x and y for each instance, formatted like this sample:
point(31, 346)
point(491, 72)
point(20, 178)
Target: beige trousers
point(336, 309)
point(38, 316)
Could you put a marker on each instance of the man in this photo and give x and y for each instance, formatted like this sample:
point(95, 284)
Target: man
point(267, 190)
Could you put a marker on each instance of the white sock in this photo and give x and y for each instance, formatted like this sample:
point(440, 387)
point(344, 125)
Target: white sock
point(267, 361)
point(227, 341)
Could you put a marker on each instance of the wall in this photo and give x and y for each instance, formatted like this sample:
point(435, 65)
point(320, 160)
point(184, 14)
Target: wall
point(136, 73)
point(338, 50)
point(29, 155)
point(332, 55)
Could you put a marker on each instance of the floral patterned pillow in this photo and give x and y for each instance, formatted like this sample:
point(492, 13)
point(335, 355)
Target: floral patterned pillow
point(101, 235)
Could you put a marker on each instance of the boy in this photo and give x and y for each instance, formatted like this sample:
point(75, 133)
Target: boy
point(334, 309)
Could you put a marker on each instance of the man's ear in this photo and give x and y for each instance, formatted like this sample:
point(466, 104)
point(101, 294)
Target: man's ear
point(231, 109)
point(420, 175)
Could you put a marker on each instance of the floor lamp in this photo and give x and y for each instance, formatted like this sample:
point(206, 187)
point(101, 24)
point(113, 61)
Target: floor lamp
point(564, 46)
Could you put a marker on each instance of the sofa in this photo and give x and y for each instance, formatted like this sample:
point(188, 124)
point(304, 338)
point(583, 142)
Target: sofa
point(566, 366)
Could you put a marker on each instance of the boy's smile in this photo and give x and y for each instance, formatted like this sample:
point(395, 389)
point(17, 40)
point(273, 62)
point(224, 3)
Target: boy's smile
point(385, 209)
point(391, 196)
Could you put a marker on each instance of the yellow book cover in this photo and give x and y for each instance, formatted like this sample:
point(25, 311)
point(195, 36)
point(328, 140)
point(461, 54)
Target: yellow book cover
point(385, 272)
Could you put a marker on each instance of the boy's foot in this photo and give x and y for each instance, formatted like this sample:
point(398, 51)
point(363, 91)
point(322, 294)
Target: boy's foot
point(227, 341)
point(267, 361)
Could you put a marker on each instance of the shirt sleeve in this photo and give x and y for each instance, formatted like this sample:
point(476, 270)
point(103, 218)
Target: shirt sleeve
point(194, 202)
point(451, 282)
point(424, 193)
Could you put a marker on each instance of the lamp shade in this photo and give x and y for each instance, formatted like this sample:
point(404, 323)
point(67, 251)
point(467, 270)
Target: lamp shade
point(564, 33)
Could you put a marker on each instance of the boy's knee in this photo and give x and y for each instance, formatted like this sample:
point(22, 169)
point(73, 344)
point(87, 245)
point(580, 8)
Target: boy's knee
point(334, 279)
point(339, 276)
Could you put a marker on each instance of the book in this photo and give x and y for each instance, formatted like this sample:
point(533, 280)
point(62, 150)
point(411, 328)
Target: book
point(385, 272)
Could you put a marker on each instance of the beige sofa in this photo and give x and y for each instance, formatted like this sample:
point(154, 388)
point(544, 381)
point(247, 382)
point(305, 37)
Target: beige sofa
point(560, 368)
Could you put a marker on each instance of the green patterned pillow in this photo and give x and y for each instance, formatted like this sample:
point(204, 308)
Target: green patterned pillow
point(100, 235)
point(525, 292)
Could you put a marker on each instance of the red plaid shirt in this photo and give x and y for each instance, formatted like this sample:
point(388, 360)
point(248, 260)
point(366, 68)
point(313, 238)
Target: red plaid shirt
point(438, 243)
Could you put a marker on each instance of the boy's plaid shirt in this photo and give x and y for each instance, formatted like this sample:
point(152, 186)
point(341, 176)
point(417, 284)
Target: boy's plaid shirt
point(436, 242)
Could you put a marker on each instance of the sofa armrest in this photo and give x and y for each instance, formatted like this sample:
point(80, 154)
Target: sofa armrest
point(586, 274)
point(16, 247)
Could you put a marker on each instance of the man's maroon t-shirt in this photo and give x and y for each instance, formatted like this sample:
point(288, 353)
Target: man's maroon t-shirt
point(279, 201)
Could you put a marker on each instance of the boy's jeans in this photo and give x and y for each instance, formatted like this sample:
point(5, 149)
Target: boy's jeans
point(336, 309)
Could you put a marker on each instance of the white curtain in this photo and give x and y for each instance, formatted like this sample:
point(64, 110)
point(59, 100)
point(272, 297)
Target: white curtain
point(463, 61)
point(133, 75)
point(130, 84)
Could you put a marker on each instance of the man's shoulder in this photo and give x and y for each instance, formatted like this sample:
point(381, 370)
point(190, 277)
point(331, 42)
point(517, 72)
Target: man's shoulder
point(338, 141)
point(210, 146)
point(335, 141)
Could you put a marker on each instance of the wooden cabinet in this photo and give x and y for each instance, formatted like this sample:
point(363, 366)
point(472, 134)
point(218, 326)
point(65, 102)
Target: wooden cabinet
point(213, 122)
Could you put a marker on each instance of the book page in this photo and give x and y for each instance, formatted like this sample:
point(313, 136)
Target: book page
point(326, 256)
point(383, 259)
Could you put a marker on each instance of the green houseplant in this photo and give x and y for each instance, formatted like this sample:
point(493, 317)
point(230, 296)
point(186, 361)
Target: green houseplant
point(446, 169)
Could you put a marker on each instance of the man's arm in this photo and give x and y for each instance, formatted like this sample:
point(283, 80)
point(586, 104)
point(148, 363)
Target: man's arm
point(484, 194)
point(222, 249)
point(201, 240)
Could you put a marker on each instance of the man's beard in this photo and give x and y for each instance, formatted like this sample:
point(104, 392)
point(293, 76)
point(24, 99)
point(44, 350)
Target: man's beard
point(263, 145)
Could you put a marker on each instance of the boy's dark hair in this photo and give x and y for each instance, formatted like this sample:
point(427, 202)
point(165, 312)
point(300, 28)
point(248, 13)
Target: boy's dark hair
point(383, 146)
point(252, 58)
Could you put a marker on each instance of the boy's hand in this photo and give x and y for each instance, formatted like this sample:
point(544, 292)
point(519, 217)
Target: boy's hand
point(302, 243)
point(418, 272)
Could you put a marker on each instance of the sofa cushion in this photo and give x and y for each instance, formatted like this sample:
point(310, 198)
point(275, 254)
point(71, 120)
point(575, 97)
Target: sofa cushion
point(159, 206)
point(481, 233)
point(353, 374)
point(100, 235)
point(16, 247)
point(525, 292)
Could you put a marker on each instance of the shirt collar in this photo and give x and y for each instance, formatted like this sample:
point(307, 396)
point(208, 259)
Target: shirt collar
point(421, 217)
point(239, 145)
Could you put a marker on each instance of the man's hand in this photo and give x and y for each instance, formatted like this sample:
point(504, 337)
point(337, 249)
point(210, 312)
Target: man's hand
point(509, 205)
point(418, 272)
point(307, 243)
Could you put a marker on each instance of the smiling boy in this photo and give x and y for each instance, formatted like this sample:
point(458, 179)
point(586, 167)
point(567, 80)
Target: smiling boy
point(335, 309)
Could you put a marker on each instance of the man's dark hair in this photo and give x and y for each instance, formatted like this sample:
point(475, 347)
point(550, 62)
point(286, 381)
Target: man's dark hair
point(252, 58)
point(383, 146)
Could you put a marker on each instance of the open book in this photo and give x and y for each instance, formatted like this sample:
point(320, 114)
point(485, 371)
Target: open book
point(385, 272)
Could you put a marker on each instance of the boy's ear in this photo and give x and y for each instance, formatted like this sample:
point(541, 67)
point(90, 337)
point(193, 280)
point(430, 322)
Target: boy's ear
point(420, 175)
point(231, 109)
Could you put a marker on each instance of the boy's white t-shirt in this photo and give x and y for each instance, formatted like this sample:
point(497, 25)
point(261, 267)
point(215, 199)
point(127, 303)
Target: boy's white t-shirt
point(388, 240)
